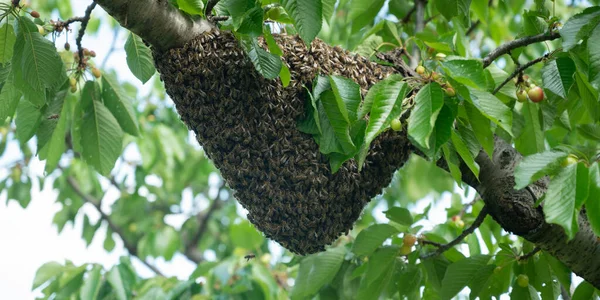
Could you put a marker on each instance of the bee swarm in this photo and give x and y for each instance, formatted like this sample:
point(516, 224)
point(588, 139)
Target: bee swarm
point(247, 126)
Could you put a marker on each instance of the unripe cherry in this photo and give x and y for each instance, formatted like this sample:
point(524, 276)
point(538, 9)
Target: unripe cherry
point(450, 92)
point(521, 95)
point(420, 70)
point(396, 125)
point(523, 280)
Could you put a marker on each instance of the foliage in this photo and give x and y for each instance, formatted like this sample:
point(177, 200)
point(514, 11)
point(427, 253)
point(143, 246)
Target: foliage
point(54, 107)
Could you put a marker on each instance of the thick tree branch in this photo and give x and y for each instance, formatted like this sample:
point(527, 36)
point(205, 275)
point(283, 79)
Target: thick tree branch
point(131, 248)
point(518, 43)
point(445, 247)
point(516, 212)
point(156, 21)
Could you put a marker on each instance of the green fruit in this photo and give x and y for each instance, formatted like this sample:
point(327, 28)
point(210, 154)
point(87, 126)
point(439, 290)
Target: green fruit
point(420, 70)
point(440, 56)
point(569, 160)
point(450, 92)
point(523, 280)
point(274, 13)
point(435, 75)
point(497, 270)
point(396, 125)
point(536, 94)
point(405, 250)
point(521, 96)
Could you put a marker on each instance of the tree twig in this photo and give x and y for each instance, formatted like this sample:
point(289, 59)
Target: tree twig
point(527, 256)
point(406, 18)
point(443, 248)
point(131, 248)
point(518, 43)
point(84, 22)
point(521, 69)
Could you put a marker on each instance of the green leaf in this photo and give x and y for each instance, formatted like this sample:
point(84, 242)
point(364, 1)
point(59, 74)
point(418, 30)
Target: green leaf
point(399, 215)
point(559, 203)
point(91, 286)
point(589, 96)
point(371, 238)
point(347, 92)
point(536, 166)
point(28, 120)
point(55, 146)
point(531, 140)
point(557, 76)
point(466, 71)
point(9, 99)
point(116, 278)
point(307, 15)
point(119, 105)
point(570, 31)
point(101, 136)
point(380, 268)
point(317, 270)
point(461, 148)
point(109, 241)
point(139, 58)
point(328, 8)
point(337, 115)
point(362, 13)
point(166, 242)
point(50, 120)
point(462, 273)
point(89, 230)
point(7, 42)
point(428, 104)
point(593, 47)
point(492, 108)
point(36, 65)
point(481, 280)
point(481, 128)
point(453, 8)
point(589, 131)
point(584, 291)
point(409, 280)
point(267, 64)
point(593, 202)
point(192, 7)
point(244, 235)
point(46, 272)
point(252, 22)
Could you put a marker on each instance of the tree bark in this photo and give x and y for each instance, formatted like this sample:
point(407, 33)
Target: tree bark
point(164, 27)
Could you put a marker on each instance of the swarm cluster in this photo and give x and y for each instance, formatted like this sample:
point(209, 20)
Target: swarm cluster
point(247, 126)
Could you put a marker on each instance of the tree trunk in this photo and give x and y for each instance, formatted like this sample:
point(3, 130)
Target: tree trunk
point(163, 27)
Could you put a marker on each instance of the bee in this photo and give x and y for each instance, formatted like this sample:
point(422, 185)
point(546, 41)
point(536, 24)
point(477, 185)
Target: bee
point(53, 117)
point(249, 257)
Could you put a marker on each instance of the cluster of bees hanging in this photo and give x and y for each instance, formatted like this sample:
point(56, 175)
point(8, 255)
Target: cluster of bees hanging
point(247, 126)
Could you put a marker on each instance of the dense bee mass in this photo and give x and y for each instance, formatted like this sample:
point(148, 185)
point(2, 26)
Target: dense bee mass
point(247, 126)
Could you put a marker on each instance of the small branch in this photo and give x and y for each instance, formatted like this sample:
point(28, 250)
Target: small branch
point(473, 27)
point(464, 209)
point(406, 18)
point(443, 248)
point(84, 23)
point(209, 7)
point(518, 43)
point(132, 249)
point(419, 26)
point(529, 255)
point(521, 69)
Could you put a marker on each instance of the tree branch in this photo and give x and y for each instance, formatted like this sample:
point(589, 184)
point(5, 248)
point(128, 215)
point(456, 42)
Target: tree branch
point(518, 43)
point(419, 26)
point(445, 247)
point(523, 68)
point(529, 255)
point(84, 22)
point(156, 21)
point(132, 249)
point(192, 243)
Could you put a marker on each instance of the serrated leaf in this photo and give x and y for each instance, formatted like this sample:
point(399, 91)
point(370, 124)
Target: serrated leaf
point(7, 42)
point(46, 272)
point(593, 202)
point(593, 47)
point(27, 121)
point(139, 58)
point(570, 31)
point(252, 22)
point(466, 71)
point(9, 100)
point(328, 8)
point(117, 280)
point(55, 145)
point(192, 7)
point(348, 92)
point(464, 152)
point(362, 13)
point(462, 273)
point(307, 16)
point(492, 108)
point(559, 203)
point(428, 104)
point(399, 215)
point(371, 238)
point(534, 167)
point(589, 131)
point(119, 105)
point(91, 286)
point(454, 8)
point(338, 118)
point(380, 268)
point(101, 136)
point(589, 96)
point(557, 75)
point(531, 140)
point(317, 270)
point(267, 64)
point(481, 128)
point(36, 65)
